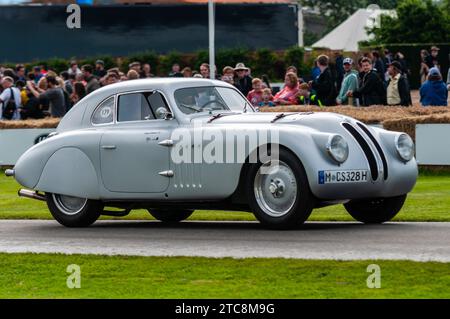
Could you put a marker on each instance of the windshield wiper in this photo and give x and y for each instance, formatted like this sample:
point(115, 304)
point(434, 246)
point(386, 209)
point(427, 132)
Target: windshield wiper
point(219, 115)
point(281, 115)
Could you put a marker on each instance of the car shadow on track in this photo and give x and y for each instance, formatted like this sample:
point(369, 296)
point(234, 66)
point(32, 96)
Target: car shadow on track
point(238, 225)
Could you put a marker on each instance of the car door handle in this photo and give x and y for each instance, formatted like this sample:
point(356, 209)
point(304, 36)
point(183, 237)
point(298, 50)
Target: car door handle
point(167, 143)
point(109, 147)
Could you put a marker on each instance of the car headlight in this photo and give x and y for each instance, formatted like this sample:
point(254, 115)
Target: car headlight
point(405, 147)
point(337, 147)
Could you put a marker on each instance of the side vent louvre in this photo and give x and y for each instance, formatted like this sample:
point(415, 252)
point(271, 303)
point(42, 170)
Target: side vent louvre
point(366, 149)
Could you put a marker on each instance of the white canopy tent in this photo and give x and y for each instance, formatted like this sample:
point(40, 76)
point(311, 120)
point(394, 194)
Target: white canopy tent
point(346, 36)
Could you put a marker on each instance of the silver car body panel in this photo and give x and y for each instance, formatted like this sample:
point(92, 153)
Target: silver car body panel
point(127, 161)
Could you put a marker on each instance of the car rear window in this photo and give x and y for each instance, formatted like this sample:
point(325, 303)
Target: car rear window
point(104, 114)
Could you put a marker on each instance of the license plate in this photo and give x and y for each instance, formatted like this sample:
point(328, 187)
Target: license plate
point(348, 176)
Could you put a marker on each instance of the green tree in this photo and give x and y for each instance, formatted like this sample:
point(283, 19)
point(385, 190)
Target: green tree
point(417, 21)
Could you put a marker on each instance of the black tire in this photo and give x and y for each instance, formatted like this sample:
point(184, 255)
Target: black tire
point(375, 211)
point(86, 215)
point(302, 205)
point(171, 215)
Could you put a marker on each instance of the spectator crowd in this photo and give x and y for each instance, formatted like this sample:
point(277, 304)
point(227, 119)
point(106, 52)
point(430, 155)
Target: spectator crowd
point(371, 80)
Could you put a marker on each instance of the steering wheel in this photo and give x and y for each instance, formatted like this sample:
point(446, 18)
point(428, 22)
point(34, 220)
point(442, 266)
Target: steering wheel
point(225, 107)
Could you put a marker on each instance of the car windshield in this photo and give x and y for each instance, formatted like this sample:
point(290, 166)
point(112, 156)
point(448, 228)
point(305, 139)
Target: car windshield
point(206, 99)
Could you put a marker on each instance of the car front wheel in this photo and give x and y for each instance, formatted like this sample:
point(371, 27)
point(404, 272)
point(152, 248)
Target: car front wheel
point(375, 211)
point(279, 193)
point(170, 215)
point(73, 211)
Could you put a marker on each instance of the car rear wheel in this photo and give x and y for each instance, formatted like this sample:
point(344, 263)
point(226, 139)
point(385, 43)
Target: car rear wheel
point(279, 193)
point(73, 211)
point(171, 215)
point(375, 211)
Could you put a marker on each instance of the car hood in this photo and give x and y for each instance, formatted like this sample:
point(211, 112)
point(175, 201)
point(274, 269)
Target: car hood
point(274, 118)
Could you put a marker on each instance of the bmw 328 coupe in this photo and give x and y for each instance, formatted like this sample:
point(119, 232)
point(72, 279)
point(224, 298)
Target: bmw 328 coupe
point(172, 146)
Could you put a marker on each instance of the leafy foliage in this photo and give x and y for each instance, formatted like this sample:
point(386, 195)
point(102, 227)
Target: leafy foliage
point(417, 21)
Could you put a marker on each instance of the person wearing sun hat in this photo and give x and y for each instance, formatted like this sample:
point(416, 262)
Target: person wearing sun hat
point(434, 91)
point(243, 82)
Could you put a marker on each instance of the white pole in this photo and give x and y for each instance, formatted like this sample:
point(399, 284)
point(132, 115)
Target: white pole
point(301, 26)
point(211, 27)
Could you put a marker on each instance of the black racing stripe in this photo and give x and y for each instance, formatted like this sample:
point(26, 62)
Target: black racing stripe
point(378, 147)
point(366, 149)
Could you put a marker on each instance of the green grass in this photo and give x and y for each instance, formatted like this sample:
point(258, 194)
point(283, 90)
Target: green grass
point(44, 276)
point(429, 201)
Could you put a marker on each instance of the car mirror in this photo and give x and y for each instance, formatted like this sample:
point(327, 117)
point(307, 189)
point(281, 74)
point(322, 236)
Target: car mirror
point(163, 113)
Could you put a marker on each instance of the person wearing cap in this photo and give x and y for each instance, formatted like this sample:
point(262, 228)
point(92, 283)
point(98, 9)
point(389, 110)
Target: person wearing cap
point(99, 71)
point(434, 91)
point(398, 92)
point(432, 59)
point(136, 66)
point(242, 82)
point(349, 83)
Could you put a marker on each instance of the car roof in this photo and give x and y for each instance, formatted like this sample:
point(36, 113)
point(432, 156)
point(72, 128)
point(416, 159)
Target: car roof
point(166, 84)
point(76, 118)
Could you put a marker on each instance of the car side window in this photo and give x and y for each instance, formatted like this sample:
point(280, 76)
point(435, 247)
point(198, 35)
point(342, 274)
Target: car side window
point(141, 106)
point(104, 114)
point(133, 107)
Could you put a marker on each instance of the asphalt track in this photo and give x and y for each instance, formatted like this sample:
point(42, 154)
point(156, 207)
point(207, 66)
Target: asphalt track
point(316, 240)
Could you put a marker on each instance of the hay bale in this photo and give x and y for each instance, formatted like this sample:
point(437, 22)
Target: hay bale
point(408, 124)
point(368, 115)
point(48, 122)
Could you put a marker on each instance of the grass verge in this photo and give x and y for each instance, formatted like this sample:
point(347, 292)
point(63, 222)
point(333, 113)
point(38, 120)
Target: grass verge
point(45, 276)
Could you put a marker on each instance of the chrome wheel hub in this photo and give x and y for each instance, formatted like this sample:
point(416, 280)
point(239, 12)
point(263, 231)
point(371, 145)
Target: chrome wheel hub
point(275, 188)
point(69, 205)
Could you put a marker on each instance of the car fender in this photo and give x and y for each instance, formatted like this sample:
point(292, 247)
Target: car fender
point(79, 179)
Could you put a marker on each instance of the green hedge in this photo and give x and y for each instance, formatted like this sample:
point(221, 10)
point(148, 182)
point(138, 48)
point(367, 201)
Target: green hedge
point(263, 61)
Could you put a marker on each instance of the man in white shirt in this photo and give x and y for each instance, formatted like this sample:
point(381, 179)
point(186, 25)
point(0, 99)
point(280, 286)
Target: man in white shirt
point(8, 89)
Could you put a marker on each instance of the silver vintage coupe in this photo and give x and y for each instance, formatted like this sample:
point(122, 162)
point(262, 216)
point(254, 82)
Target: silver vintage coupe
point(172, 146)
